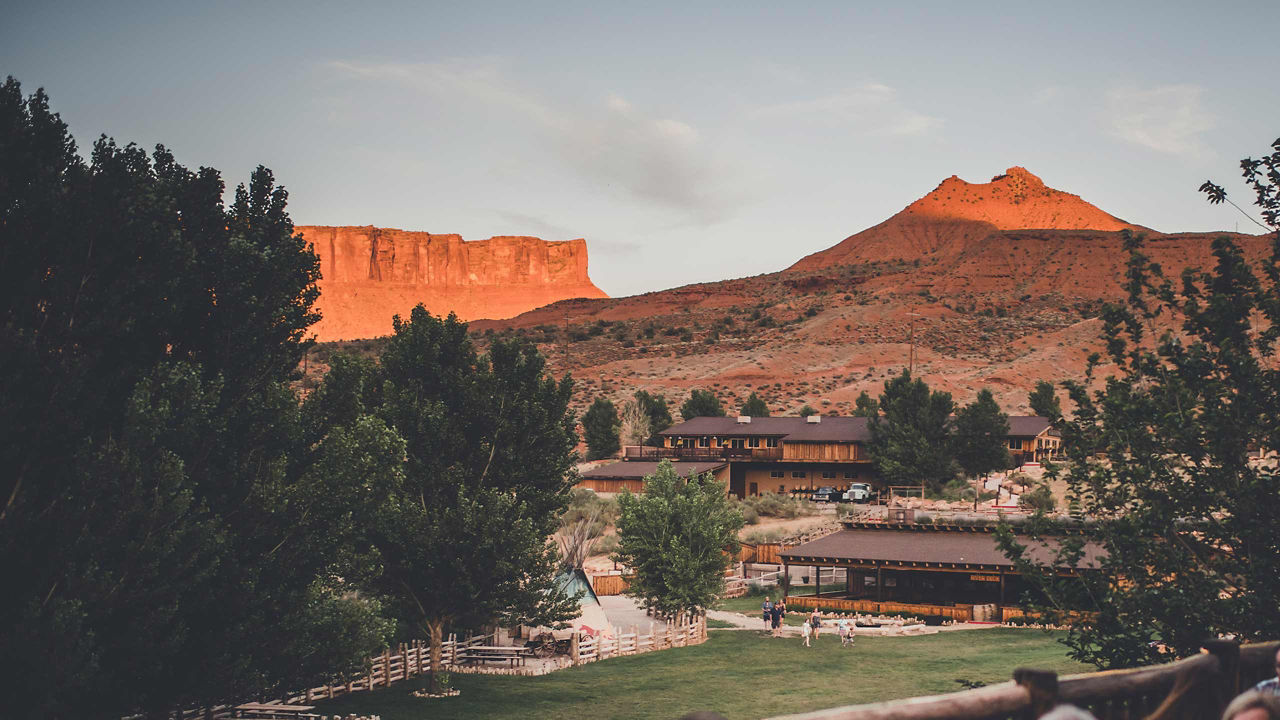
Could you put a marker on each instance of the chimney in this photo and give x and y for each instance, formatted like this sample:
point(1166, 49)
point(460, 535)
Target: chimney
point(744, 419)
point(815, 419)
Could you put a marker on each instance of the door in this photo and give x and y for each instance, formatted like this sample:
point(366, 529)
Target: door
point(755, 489)
point(738, 481)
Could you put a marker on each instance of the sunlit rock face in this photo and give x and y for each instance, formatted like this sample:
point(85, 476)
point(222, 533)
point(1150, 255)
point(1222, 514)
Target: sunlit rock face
point(368, 274)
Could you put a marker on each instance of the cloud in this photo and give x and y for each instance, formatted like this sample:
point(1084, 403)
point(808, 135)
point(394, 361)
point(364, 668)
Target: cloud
point(1167, 119)
point(614, 145)
point(872, 108)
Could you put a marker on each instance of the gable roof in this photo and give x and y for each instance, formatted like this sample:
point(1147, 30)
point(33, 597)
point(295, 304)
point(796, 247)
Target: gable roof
point(1027, 425)
point(924, 545)
point(791, 429)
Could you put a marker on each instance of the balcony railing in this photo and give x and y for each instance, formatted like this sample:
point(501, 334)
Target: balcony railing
point(643, 452)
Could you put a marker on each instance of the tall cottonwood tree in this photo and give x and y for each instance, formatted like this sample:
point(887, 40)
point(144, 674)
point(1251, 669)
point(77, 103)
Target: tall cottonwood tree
point(980, 440)
point(165, 538)
point(463, 535)
point(677, 537)
point(911, 438)
point(1159, 458)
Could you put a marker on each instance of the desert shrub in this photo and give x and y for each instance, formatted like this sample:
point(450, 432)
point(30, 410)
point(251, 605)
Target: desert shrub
point(757, 537)
point(749, 515)
point(1040, 499)
point(586, 505)
point(779, 505)
point(606, 545)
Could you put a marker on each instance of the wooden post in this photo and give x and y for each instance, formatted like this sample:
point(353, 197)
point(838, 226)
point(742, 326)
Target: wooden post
point(817, 581)
point(573, 648)
point(386, 669)
point(1042, 687)
point(1227, 678)
point(879, 584)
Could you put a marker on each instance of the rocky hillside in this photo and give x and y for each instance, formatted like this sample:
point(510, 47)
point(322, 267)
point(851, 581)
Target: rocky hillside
point(987, 304)
point(369, 274)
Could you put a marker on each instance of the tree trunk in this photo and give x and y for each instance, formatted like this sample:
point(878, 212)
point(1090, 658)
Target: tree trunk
point(435, 630)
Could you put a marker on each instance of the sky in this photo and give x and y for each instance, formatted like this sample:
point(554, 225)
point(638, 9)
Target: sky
point(687, 141)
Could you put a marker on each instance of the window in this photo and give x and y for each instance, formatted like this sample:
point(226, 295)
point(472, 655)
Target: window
point(1015, 444)
point(828, 475)
point(753, 442)
point(782, 489)
point(799, 474)
point(771, 442)
point(704, 441)
point(776, 474)
point(851, 475)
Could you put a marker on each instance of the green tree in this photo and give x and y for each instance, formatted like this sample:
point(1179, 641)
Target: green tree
point(979, 443)
point(807, 410)
point(167, 539)
point(635, 425)
point(701, 403)
point(911, 439)
point(1159, 458)
point(866, 406)
point(1044, 401)
point(677, 537)
point(600, 428)
point(655, 406)
point(754, 407)
point(487, 466)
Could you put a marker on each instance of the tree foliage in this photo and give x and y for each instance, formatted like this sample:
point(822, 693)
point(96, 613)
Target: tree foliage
point(601, 428)
point(635, 423)
point(911, 439)
point(168, 536)
point(460, 520)
point(866, 406)
point(655, 406)
point(1159, 459)
point(980, 441)
point(807, 410)
point(754, 407)
point(701, 403)
point(677, 537)
point(1044, 401)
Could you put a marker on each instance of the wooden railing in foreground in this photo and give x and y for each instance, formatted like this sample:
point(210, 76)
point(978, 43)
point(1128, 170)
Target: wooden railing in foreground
point(1197, 687)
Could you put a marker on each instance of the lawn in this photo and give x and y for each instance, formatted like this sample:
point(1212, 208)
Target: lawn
point(741, 674)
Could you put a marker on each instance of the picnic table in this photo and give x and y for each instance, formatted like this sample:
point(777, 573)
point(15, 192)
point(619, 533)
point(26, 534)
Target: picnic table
point(489, 653)
point(274, 710)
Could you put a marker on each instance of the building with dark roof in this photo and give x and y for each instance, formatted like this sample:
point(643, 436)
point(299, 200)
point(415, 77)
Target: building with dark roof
point(619, 476)
point(797, 454)
point(945, 570)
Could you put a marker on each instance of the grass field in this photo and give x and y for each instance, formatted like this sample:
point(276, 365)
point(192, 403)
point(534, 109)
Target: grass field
point(741, 674)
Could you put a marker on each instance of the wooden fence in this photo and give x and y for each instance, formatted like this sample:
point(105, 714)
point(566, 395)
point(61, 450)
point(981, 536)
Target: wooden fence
point(609, 584)
point(682, 632)
point(1197, 687)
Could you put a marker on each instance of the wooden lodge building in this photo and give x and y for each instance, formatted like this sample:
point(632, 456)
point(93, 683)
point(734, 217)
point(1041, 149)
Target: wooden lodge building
point(620, 476)
point(951, 571)
point(785, 454)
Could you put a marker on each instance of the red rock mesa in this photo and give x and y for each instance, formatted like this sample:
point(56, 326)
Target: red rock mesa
point(369, 274)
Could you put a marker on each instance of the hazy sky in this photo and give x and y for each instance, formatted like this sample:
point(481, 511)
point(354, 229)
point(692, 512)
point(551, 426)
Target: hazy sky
point(690, 142)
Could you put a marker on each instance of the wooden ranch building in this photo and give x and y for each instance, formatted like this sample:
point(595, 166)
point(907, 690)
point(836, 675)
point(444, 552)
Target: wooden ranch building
point(792, 454)
point(938, 570)
point(619, 476)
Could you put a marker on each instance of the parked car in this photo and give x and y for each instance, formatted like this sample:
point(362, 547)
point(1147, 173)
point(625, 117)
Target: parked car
point(860, 493)
point(825, 494)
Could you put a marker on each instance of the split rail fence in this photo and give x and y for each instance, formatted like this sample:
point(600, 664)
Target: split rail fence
point(1197, 687)
point(685, 631)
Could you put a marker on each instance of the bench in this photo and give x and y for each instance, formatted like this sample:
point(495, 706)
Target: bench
point(512, 654)
point(274, 710)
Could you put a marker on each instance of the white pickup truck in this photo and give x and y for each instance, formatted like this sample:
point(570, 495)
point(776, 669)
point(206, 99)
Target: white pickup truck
point(860, 493)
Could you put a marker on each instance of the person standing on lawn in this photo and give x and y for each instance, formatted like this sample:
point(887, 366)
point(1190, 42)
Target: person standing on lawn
point(804, 632)
point(815, 620)
point(842, 628)
point(775, 615)
point(766, 610)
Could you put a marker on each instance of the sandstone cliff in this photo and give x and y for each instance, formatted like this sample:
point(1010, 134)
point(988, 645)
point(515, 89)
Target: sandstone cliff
point(369, 274)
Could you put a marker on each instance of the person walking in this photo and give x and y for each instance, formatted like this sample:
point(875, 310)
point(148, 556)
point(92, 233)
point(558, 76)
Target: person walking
point(843, 630)
point(804, 632)
point(815, 620)
point(779, 609)
point(766, 609)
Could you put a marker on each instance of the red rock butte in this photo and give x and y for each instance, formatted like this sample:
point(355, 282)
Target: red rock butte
point(956, 213)
point(368, 274)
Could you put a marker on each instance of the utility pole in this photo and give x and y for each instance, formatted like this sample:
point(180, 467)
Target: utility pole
point(911, 357)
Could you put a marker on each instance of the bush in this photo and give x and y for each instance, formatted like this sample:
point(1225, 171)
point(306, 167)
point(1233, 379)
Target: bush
point(1041, 499)
point(583, 503)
